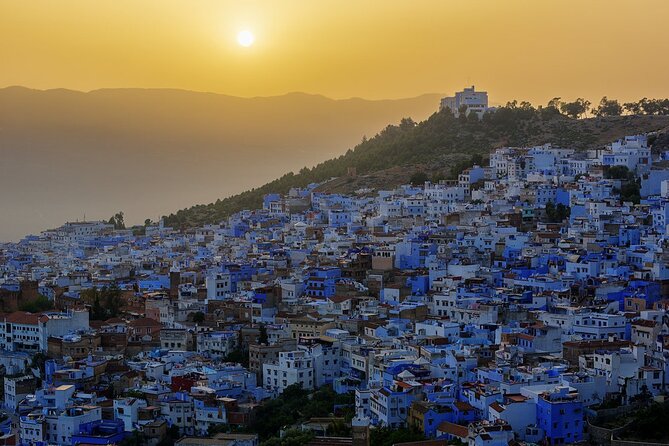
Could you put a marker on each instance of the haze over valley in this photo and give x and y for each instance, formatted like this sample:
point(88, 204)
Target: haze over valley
point(148, 152)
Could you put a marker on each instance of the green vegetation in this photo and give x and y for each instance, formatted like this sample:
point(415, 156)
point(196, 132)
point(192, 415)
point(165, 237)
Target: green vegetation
point(437, 140)
point(134, 393)
point(419, 178)
point(575, 109)
point(42, 303)
point(262, 335)
point(172, 436)
point(608, 107)
point(386, 436)
point(136, 438)
point(618, 173)
point(650, 424)
point(296, 405)
point(105, 303)
point(647, 106)
point(292, 437)
point(630, 190)
point(118, 220)
point(217, 429)
point(238, 356)
point(557, 214)
point(38, 361)
point(457, 168)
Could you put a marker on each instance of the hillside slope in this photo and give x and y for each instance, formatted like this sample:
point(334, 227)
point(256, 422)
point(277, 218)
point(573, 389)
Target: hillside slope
point(434, 146)
point(67, 153)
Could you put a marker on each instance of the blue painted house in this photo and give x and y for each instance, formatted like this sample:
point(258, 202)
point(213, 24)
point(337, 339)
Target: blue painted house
point(321, 282)
point(103, 432)
point(560, 415)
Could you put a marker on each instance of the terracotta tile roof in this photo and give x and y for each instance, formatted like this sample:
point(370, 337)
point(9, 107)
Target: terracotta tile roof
point(463, 406)
point(23, 317)
point(339, 299)
point(645, 323)
point(497, 407)
point(526, 337)
point(453, 429)
point(144, 322)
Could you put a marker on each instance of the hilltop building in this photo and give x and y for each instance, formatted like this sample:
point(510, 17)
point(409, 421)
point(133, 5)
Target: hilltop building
point(474, 101)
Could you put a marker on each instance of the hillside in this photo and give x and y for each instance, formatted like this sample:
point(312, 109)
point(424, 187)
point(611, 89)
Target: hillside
point(433, 146)
point(67, 153)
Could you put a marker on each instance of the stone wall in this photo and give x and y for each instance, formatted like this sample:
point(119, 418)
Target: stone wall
point(602, 435)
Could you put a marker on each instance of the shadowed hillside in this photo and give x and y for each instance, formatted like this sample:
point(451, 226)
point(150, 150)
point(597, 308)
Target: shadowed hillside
point(67, 154)
point(434, 145)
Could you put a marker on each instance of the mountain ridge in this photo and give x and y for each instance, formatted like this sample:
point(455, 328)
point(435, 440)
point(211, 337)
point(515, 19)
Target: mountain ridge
point(148, 151)
point(439, 145)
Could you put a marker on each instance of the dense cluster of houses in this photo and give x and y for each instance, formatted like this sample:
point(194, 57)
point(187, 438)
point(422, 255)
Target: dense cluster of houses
point(469, 309)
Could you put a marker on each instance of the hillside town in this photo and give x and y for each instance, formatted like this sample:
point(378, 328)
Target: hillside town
point(513, 304)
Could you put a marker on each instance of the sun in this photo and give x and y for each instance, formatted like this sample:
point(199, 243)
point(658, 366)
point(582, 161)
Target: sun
point(245, 38)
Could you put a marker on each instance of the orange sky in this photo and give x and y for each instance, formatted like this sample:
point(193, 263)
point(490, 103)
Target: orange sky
point(533, 49)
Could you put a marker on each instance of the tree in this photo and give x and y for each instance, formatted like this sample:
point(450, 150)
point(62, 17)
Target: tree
point(476, 159)
point(633, 108)
point(136, 438)
point(608, 107)
point(41, 303)
point(557, 214)
point(575, 109)
point(38, 361)
point(105, 303)
point(97, 312)
point(118, 220)
point(462, 112)
point(198, 317)
point(172, 436)
point(173, 432)
point(294, 405)
point(217, 429)
point(630, 191)
point(407, 123)
point(554, 105)
point(385, 436)
point(262, 336)
point(238, 356)
point(618, 173)
point(292, 437)
point(418, 178)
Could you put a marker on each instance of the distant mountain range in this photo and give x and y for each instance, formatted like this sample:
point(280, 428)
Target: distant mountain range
point(69, 154)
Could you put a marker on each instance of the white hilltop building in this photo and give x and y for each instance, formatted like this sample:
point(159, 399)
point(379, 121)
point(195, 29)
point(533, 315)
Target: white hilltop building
point(475, 101)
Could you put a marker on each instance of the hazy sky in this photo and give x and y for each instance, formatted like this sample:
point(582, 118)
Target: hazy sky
point(533, 49)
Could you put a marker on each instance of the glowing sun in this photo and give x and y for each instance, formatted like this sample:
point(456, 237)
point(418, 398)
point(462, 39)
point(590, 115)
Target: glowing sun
point(245, 38)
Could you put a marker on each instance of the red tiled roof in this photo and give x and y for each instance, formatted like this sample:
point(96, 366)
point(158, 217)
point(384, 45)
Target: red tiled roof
point(645, 323)
point(497, 407)
point(453, 429)
point(23, 317)
point(144, 322)
point(463, 406)
point(339, 299)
